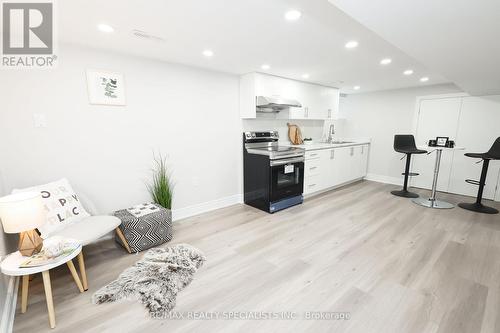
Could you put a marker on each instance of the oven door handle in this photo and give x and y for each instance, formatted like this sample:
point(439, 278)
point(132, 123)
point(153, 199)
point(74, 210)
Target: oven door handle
point(291, 155)
point(288, 161)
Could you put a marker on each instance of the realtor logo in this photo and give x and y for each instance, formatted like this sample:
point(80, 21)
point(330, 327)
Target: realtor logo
point(28, 34)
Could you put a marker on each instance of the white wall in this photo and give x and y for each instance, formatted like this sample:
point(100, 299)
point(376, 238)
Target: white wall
point(189, 114)
point(380, 115)
point(7, 245)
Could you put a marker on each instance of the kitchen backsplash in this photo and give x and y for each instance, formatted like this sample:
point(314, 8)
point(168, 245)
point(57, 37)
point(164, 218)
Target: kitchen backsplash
point(315, 129)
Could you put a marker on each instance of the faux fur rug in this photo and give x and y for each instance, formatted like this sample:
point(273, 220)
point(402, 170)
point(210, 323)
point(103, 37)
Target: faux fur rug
point(156, 279)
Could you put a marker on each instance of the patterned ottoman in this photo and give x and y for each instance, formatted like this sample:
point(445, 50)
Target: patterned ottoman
point(144, 226)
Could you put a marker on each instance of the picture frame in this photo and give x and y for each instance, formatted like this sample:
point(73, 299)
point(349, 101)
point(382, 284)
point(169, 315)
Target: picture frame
point(441, 141)
point(105, 88)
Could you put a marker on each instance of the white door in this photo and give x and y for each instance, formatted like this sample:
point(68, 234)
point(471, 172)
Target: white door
point(437, 117)
point(477, 130)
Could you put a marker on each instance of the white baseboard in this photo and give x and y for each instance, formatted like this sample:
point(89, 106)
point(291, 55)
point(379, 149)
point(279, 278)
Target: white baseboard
point(185, 212)
point(9, 309)
point(313, 194)
point(384, 179)
point(399, 181)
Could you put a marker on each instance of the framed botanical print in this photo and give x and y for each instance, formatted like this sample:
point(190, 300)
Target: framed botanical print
point(105, 88)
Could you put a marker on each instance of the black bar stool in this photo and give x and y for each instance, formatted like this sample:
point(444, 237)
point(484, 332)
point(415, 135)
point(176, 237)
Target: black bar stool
point(492, 154)
point(405, 143)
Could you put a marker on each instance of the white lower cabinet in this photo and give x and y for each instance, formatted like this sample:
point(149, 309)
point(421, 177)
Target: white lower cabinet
point(314, 171)
point(328, 168)
point(359, 161)
point(311, 184)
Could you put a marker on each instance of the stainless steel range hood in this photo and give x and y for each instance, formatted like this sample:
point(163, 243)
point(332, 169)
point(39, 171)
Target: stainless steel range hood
point(275, 103)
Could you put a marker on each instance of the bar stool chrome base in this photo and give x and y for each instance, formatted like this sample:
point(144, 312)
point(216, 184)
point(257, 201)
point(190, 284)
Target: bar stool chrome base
point(438, 204)
point(404, 194)
point(477, 207)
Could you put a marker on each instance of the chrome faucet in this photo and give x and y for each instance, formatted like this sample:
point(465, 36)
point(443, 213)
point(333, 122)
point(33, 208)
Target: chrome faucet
point(331, 133)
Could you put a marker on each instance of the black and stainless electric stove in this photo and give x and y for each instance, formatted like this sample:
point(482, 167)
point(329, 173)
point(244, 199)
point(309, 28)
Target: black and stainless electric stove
point(273, 174)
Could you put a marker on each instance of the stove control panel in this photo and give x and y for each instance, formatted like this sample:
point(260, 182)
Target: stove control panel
point(261, 136)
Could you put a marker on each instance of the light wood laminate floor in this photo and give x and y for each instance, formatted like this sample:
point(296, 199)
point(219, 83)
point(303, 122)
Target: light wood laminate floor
point(393, 265)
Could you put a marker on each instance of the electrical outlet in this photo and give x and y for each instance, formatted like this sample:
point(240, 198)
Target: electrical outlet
point(39, 120)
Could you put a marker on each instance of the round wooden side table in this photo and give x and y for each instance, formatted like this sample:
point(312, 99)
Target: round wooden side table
point(10, 266)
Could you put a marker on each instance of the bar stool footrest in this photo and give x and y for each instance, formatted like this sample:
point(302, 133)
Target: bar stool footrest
point(473, 182)
point(410, 174)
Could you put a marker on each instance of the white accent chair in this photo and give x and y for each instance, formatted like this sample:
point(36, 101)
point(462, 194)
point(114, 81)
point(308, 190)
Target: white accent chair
point(88, 230)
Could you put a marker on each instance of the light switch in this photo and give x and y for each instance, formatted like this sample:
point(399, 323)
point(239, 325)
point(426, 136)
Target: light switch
point(39, 120)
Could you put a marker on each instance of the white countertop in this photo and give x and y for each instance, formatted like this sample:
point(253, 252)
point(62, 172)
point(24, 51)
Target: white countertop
point(319, 145)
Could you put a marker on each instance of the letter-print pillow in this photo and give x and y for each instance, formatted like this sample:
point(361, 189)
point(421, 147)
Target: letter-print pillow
point(62, 204)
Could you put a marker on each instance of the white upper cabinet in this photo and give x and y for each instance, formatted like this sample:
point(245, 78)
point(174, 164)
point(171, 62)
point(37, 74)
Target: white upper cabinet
point(318, 102)
point(268, 85)
point(330, 98)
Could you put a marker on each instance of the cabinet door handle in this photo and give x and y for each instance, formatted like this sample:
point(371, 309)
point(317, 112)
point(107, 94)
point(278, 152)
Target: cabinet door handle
point(312, 185)
point(313, 154)
point(352, 151)
point(362, 150)
point(329, 113)
point(332, 154)
point(312, 168)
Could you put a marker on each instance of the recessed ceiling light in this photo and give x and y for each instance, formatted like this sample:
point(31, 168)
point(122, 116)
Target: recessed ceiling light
point(105, 28)
point(385, 61)
point(351, 44)
point(424, 79)
point(356, 87)
point(208, 53)
point(408, 72)
point(265, 67)
point(305, 76)
point(293, 15)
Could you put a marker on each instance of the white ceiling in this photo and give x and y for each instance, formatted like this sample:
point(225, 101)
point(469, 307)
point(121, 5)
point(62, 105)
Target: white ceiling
point(458, 38)
point(244, 34)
